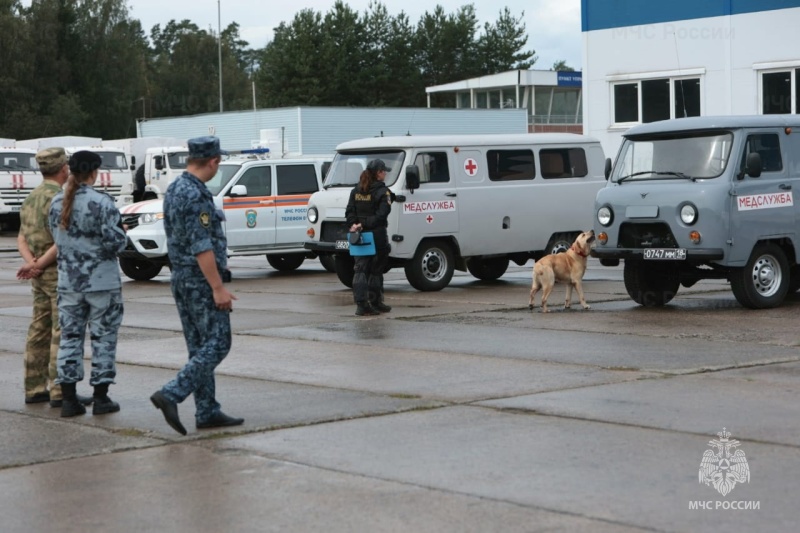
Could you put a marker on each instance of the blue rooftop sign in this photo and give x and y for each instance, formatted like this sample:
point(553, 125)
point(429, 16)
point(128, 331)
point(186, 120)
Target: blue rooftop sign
point(570, 79)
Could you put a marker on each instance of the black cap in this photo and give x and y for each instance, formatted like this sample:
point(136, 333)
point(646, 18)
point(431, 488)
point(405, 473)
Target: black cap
point(376, 165)
point(84, 161)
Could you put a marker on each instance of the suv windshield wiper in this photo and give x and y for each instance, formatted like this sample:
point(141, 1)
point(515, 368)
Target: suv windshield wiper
point(680, 175)
point(329, 185)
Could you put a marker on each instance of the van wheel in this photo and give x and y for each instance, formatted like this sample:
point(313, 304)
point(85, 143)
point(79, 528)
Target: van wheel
point(327, 262)
point(764, 281)
point(432, 267)
point(650, 284)
point(560, 242)
point(139, 269)
point(344, 265)
point(286, 262)
point(488, 269)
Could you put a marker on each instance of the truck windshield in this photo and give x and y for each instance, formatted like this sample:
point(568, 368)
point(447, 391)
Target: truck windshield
point(698, 155)
point(348, 166)
point(224, 175)
point(17, 161)
point(177, 160)
point(113, 161)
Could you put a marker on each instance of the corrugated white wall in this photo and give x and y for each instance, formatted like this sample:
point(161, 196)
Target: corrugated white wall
point(318, 130)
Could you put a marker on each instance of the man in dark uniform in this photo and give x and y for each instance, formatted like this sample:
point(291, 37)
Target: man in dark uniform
point(367, 210)
point(197, 245)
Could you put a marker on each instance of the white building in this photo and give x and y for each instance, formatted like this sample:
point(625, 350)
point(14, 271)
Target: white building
point(552, 99)
point(318, 130)
point(648, 61)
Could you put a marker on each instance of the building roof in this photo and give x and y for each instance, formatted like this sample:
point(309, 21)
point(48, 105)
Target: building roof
point(512, 78)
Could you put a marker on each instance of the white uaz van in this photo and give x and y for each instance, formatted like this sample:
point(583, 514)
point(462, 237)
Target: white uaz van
point(464, 202)
point(264, 202)
point(704, 198)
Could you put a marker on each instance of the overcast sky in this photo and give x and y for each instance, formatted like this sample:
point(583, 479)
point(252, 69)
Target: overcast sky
point(553, 26)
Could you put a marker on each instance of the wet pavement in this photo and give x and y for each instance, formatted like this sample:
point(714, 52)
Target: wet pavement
point(460, 410)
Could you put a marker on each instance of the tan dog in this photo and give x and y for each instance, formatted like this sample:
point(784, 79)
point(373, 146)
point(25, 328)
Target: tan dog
point(567, 267)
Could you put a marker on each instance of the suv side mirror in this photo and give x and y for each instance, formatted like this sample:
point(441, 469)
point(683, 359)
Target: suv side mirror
point(159, 162)
point(753, 166)
point(412, 177)
point(238, 190)
point(608, 168)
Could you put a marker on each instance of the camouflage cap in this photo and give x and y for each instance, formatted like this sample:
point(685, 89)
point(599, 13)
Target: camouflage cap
point(202, 147)
point(51, 160)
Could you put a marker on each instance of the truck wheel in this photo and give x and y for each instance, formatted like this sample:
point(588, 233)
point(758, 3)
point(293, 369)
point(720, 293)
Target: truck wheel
point(764, 281)
point(560, 242)
point(344, 265)
point(488, 269)
point(327, 261)
point(139, 269)
point(286, 262)
point(651, 284)
point(432, 267)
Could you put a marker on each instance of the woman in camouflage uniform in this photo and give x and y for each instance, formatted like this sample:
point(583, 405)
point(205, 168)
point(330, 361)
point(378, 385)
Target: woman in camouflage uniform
point(88, 233)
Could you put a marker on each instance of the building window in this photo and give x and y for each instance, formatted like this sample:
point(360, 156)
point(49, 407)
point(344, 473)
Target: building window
point(509, 165)
point(464, 101)
point(776, 92)
point(656, 99)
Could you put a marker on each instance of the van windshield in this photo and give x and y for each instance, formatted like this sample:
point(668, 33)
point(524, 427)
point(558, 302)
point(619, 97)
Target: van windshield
point(223, 176)
point(348, 166)
point(693, 156)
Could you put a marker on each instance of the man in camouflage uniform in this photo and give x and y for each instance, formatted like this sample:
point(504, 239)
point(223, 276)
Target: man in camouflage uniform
point(88, 232)
point(197, 247)
point(35, 242)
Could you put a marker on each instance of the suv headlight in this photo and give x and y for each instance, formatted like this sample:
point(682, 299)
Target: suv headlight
point(150, 218)
point(605, 216)
point(312, 215)
point(688, 214)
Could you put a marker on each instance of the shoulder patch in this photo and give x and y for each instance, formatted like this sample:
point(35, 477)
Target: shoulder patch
point(205, 219)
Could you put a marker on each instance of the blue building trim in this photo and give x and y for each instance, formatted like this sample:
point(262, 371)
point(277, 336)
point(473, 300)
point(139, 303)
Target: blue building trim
point(606, 14)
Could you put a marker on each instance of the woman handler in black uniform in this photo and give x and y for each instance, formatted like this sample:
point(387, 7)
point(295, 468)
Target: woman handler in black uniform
point(367, 210)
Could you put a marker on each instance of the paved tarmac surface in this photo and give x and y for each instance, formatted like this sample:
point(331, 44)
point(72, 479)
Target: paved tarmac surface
point(460, 410)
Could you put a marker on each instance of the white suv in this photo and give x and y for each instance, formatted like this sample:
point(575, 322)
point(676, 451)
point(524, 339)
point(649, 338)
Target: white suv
point(264, 202)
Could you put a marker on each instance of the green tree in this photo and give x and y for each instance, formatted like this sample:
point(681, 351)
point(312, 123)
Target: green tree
point(500, 47)
point(561, 66)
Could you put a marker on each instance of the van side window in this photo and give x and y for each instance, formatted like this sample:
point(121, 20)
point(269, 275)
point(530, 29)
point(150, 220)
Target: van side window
point(258, 181)
point(508, 165)
point(432, 167)
point(563, 163)
point(297, 179)
point(769, 146)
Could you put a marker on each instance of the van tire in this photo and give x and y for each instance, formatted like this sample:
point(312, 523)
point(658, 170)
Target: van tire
point(432, 267)
point(345, 268)
point(650, 284)
point(286, 262)
point(560, 242)
point(328, 262)
point(139, 269)
point(487, 269)
point(763, 283)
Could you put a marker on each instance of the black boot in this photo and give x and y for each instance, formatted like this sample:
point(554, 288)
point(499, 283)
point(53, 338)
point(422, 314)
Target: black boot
point(102, 403)
point(381, 307)
point(70, 406)
point(364, 309)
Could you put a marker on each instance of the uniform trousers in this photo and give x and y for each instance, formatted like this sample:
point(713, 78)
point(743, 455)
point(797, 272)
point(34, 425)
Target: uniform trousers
point(207, 331)
point(368, 271)
point(102, 312)
point(44, 335)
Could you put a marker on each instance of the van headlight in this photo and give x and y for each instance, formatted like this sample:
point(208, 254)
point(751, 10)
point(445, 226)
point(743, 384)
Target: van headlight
point(605, 216)
point(150, 218)
point(312, 215)
point(688, 214)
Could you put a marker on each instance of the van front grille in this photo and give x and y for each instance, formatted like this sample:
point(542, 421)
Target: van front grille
point(646, 235)
point(334, 231)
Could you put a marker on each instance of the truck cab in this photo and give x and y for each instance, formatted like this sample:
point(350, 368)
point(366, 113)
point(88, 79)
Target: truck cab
point(19, 175)
point(162, 165)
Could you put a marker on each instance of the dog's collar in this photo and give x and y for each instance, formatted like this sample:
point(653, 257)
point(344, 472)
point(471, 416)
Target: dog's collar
point(578, 251)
